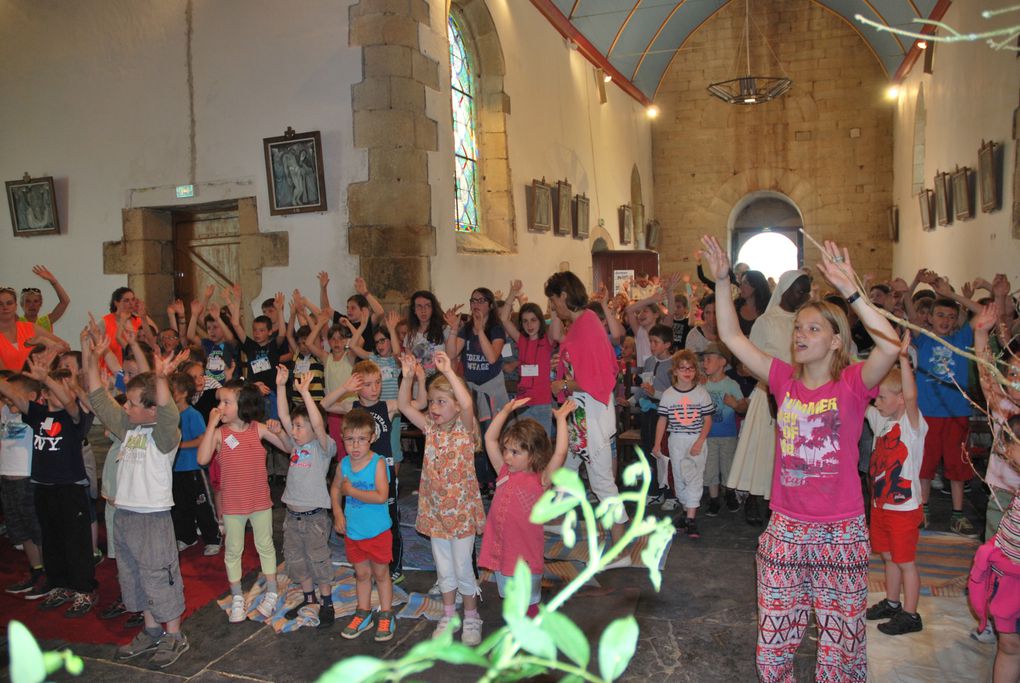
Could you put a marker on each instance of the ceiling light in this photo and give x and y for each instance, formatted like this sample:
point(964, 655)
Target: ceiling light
point(922, 45)
point(652, 111)
point(892, 92)
point(750, 89)
point(607, 78)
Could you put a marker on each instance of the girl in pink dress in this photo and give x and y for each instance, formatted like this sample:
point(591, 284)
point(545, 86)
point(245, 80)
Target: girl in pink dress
point(525, 461)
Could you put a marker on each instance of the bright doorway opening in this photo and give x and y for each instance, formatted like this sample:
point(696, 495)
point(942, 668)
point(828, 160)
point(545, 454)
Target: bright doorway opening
point(770, 252)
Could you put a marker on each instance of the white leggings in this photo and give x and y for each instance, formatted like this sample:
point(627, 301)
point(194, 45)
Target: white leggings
point(453, 564)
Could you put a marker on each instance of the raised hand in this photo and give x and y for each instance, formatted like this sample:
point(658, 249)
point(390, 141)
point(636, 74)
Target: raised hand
point(1000, 285)
point(196, 308)
point(44, 273)
point(601, 294)
point(565, 408)
point(210, 289)
point(360, 286)
point(443, 364)
point(452, 317)
point(987, 318)
point(392, 319)
point(274, 426)
point(905, 347)
point(353, 383)
point(715, 258)
point(407, 362)
point(278, 301)
point(836, 268)
point(304, 383)
point(282, 375)
point(323, 278)
point(517, 403)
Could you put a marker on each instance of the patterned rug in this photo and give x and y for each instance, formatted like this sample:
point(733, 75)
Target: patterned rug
point(943, 560)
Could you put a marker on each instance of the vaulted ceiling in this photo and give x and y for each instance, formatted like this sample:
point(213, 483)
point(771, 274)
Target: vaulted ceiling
point(638, 38)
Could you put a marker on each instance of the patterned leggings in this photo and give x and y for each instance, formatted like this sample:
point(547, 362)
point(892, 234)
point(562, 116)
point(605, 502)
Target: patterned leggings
point(819, 565)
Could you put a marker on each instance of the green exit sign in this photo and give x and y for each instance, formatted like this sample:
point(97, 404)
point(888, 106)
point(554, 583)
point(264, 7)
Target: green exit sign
point(184, 191)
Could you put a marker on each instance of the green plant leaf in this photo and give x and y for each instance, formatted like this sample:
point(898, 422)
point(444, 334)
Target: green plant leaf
point(532, 638)
point(633, 472)
point(568, 480)
point(458, 653)
point(518, 592)
point(522, 672)
point(616, 647)
point(428, 649)
point(569, 533)
point(360, 668)
point(550, 506)
point(572, 678)
point(567, 636)
point(652, 554)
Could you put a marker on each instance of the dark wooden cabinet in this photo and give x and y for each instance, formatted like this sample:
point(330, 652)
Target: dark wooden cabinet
point(604, 263)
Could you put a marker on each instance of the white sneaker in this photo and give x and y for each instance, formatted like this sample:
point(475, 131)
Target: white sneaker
point(472, 633)
point(986, 636)
point(434, 592)
point(182, 546)
point(237, 611)
point(670, 504)
point(442, 626)
point(268, 605)
point(211, 549)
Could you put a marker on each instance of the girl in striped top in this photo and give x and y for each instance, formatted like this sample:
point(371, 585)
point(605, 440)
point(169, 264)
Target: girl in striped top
point(236, 434)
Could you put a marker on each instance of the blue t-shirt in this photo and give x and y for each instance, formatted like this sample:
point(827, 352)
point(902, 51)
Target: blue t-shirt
point(218, 358)
point(364, 520)
point(477, 368)
point(937, 396)
point(724, 421)
point(192, 427)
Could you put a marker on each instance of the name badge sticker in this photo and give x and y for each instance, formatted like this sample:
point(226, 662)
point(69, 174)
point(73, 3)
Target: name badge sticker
point(232, 442)
point(530, 370)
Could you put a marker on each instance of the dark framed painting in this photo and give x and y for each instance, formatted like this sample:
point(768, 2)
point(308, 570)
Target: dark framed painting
point(297, 183)
point(988, 176)
point(894, 223)
point(563, 219)
point(942, 208)
point(626, 224)
point(540, 209)
point(924, 202)
point(582, 213)
point(33, 204)
point(962, 196)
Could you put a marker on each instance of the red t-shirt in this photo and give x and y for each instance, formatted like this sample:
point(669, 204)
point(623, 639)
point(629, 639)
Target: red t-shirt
point(13, 357)
point(243, 478)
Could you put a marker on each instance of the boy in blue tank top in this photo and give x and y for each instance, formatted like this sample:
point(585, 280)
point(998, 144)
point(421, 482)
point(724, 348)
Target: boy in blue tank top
point(363, 479)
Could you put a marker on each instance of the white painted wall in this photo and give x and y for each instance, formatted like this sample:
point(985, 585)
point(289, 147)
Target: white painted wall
point(556, 129)
point(95, 94)
point(970, 97)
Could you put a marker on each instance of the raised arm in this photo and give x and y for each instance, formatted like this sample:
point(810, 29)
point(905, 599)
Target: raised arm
point(559, 455)
point(454, 343)
point(211, 439)
point(506, 313)
point(943, 288)
point(197, 308)
point(323, 277)
point(282, 404)
point(984, 322)
point(314, 416)
point(40, 371)
point(409, 410)
point(329, 402)
point(361, 287)
point(63, 300)
point(14, 395)
point(495, 429)
point(233, 297)
point(756, 360)
point(835, 267)
point(908, 384)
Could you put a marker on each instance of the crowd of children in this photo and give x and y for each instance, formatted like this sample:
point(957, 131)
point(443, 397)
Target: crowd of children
point(203, 413)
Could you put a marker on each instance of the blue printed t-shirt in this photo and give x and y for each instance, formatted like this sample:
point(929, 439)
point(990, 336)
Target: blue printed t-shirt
point(477, 368)
point(389, 368)
point(364, 520)
point(218, 358)
point(192, 427)
point(937, 396)
point(724, 422)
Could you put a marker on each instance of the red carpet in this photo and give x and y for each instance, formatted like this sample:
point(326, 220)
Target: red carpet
point(205, 579)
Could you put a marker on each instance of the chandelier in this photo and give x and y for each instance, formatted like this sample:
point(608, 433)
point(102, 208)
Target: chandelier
point(750, 89)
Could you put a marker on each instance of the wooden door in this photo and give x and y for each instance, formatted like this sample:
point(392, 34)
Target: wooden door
point(605, 263)
point(206, 251)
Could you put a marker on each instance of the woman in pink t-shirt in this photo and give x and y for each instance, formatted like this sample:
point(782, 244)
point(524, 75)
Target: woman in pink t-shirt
point(814, 553)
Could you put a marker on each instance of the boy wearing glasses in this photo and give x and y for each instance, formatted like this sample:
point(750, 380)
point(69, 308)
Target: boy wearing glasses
point(31, 301)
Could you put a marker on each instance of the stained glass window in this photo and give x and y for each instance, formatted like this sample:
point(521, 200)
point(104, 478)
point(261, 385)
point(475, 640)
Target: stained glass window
point(465, 147)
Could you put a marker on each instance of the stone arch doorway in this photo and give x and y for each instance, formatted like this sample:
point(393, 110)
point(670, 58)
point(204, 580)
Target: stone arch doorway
point(764, 230)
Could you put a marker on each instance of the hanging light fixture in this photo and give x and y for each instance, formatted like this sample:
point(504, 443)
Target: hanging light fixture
point(750, 89)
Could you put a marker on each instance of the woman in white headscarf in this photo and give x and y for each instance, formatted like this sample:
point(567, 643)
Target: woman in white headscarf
point(772, 332)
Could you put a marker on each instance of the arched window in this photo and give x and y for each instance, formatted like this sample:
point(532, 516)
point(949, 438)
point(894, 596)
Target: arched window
point(465, 130)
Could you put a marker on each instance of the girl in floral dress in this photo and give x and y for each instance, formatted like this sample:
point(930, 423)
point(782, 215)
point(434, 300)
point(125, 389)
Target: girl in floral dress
point(450, 508)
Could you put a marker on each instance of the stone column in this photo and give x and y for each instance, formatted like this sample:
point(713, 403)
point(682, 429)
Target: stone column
point(390, 214)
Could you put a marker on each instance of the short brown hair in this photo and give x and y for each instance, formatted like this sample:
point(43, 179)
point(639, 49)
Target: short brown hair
point(366, 367)
point(687, 356)
point(530, 437)
point(359, 420)
point(147, 383)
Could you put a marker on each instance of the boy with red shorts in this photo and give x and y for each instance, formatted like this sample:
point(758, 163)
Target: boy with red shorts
point(895, 505)
point(945, 407)
point(363, 479)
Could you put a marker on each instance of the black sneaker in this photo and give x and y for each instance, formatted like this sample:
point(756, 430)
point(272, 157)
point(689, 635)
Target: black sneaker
point(731, 501)
point(56, 598)
point(24, 585)
point(293, 612)
point(82, 605)
point(327, 615)
point(713, 507)
point(901, 622)
point(883, 610)
point(680, 523)
point(113, 611)
point(692, 529)
point(40, 590)
point(135, 620)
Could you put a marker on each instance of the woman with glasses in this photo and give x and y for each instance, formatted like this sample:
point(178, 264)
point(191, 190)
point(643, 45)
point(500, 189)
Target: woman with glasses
point(426, 331)
point(32, 300)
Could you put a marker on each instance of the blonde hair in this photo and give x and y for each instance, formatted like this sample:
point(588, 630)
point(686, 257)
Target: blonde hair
point(893, 380)
point(365, 367)
point(441, 384)
point(840, 326)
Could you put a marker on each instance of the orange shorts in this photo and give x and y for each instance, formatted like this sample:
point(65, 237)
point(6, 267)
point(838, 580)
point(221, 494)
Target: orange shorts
point(378, 549)
point(945, 441)
point(896, 532)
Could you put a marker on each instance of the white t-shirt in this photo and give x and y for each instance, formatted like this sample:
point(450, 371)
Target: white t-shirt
point(896, 461)
point(15, 445)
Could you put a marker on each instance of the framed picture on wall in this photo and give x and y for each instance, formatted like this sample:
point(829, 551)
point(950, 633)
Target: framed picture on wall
point(924, 201)
point(894, 223)
point(563, 218)
point(582, 209)
point(942, 214)
point(540, 210)
point(33, 205)
point(294, 173)
point(988, 176)
point(626, 224)
point(962, 196)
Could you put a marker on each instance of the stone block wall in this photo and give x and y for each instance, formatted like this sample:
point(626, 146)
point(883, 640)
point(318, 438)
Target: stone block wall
point(827, 144)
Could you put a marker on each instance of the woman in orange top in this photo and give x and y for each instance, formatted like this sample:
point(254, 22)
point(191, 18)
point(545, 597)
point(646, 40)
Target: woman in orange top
point(17, 338)
point(122, 314)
